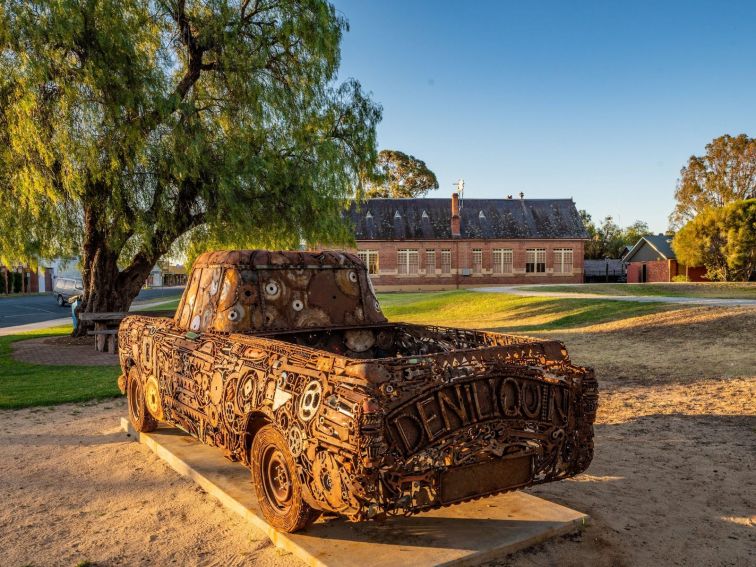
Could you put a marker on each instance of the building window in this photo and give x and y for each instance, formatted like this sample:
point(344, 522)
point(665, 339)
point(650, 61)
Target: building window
point(446, 262)
point(407, 262)
point(370, 257)
point(430, 262)
point(502, 260)
point(535, 260)
point(563, 260)
point(477, 261)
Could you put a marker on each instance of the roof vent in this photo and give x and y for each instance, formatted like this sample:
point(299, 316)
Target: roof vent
point(368, 215)
point(481, 215)
point(425, 215)
point(397, 215)
point(522, 195)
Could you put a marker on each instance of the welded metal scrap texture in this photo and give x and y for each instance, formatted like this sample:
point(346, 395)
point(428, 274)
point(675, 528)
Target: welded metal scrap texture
point(380, 417)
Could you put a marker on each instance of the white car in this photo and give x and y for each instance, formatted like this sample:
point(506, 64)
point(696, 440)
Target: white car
point(65, 288)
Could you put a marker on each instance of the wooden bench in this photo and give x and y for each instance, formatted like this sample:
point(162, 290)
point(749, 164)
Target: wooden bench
point(106, 326)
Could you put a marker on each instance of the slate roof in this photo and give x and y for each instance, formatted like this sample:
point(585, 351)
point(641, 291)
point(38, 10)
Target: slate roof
point(430, 219)
point(661, 243)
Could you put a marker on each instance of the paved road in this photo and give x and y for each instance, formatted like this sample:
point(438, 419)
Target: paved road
point(27, 309)
point(515, 290)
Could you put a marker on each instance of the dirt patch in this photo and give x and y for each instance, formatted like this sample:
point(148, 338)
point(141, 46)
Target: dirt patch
point(53, 351)
point(75, 488)
point(68, 340)
point(672, 481)
point(681, 346)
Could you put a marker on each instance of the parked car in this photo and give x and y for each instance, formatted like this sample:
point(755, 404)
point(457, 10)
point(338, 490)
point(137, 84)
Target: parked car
point(285, 361)
point(65, 288)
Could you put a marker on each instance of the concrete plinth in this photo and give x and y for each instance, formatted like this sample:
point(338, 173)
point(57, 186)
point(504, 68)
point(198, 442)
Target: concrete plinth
point(465, 534)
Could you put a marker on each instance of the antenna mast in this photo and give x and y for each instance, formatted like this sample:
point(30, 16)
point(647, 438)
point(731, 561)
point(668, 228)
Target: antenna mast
point(460, 185)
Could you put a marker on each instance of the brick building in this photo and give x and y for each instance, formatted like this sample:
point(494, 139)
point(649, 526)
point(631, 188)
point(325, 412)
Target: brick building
point(449, 243)
point(653, 260)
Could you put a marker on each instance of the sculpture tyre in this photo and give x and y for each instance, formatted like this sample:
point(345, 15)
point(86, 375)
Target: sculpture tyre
point(140, 418)
point(277, 485)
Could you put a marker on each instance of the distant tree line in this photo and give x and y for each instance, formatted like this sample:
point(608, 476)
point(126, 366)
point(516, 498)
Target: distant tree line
point(608, 239)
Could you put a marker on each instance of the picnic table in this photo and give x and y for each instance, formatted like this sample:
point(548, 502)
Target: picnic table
point(105, 329)
point(106, 326)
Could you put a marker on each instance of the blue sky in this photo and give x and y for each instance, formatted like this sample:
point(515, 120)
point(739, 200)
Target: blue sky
point(599, 101)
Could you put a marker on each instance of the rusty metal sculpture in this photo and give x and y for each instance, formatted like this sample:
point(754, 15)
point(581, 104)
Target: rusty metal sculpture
point(285, 361)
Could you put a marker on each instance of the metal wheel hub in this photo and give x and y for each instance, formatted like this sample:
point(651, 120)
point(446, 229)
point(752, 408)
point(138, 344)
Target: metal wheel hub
point(276, 479)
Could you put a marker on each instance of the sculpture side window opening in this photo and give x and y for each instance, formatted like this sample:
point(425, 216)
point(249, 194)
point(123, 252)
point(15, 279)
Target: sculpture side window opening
point(285, 362)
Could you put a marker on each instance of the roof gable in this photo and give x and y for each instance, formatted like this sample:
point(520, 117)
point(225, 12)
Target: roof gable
point(659, 243)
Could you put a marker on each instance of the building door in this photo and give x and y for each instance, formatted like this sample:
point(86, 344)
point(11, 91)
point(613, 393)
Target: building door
point(643, 273)
point(48, 280)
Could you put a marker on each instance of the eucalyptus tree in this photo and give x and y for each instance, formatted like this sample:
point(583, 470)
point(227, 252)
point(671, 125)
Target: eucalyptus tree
point(127, 126)
point(724, 174)
point(400, 175)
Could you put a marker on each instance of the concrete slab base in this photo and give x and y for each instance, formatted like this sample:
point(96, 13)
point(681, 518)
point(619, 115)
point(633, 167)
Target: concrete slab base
point(465, 534)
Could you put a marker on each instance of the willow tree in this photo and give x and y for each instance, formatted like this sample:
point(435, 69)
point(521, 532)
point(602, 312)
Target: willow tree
point(129, 125)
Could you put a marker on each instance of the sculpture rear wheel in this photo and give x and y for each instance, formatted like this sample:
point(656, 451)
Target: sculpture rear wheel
point(139, 416)
point(276, 483)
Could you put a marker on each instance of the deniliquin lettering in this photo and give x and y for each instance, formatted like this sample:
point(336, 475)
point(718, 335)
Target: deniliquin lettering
point(448, 409)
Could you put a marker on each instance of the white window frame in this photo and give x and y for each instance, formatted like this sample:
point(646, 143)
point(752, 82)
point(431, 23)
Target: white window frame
point(407, 262)
point(370, 258)
point(430, 262)
point(477, 261)
point(503, 261)
point(536, 257)
point(446, 267)
point(564, 261)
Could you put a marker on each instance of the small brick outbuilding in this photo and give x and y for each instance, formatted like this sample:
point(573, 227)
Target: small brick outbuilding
point(653, 260)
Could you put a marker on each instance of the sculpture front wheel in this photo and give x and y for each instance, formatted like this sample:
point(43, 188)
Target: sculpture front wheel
point(274, 475)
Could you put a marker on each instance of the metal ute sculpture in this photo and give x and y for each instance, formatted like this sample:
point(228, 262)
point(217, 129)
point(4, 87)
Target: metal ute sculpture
point(285, 361)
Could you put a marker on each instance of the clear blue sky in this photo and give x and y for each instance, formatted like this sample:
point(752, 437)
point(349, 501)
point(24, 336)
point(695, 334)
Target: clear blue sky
point(599, 101)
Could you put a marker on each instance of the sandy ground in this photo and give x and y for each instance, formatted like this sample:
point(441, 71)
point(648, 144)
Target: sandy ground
point(672, 482)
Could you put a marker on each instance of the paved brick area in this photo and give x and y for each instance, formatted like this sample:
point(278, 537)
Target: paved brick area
point(43, 351)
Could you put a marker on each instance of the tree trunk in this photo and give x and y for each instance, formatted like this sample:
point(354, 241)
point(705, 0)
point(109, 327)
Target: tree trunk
point(106, 288)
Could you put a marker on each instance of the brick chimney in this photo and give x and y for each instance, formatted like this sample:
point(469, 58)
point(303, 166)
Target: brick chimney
point(455, 222)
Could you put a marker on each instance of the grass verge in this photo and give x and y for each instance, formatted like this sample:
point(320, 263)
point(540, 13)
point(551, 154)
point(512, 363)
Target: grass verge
point(503, 312)
point(712, 290)
point(160, 305)
point(24, 385)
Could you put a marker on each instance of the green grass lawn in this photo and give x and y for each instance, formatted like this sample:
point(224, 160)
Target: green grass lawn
point(164, 304)
point(705, 290)
point(23, 385)
point(503, 312)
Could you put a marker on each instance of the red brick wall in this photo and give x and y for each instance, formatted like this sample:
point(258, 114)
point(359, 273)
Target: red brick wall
point(658, 271)
point(462, 257)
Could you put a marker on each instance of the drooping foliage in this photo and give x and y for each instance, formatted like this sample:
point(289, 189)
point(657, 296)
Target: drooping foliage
point(723, 239)
point(400, 175)
point(129, 125)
